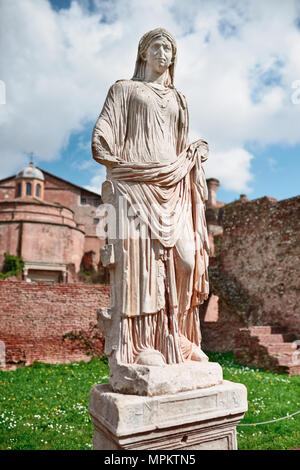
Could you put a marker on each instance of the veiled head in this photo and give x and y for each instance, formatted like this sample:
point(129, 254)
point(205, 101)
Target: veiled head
point(148, 40)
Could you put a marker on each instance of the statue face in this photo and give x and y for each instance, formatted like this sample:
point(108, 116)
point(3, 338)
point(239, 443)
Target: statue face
point(159, 54)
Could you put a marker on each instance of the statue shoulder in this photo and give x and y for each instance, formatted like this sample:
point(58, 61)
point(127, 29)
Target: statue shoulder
point(121, 87)
point(123, 84)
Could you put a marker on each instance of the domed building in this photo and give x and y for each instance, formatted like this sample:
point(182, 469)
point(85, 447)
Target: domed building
point(50, 236)
point(30, 182)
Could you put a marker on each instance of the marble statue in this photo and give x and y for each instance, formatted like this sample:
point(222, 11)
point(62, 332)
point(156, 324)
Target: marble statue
point(159, 258)
point(163, 393)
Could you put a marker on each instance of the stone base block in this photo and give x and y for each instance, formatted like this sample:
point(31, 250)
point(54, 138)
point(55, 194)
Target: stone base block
point(134, 379)
point(202, 419)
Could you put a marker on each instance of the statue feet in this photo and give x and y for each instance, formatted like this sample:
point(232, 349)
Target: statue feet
point(198, 355)
point(150, 357)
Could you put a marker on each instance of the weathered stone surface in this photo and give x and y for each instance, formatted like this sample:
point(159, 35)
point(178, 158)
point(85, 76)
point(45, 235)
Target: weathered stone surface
point(163, 392)
point(255, 273)
point(166, 379)
point(107, 255)
point(34, 317)
point(271, 347)
point(201, 419)
point(212, 309)
point(157, 242)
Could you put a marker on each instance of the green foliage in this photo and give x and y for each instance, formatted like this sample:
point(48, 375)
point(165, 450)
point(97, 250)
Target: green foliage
point(87, 339)
point(13, 265)
point(104, 359)
point(92, 276)
point(46, 406)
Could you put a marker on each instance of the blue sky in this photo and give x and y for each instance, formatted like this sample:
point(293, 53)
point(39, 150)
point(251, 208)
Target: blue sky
point(238, 66)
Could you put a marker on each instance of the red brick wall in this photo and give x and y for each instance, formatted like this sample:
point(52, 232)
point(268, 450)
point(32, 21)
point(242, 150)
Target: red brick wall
point(9, 240)
point(7, 189)
point(35, 316)
point(68, 195)
point(255, 275)
point(58, 191)
point(52, 243)
point(256, 270)
point(42, 242)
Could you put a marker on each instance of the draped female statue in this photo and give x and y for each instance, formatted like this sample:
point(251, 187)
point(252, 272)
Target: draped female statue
point(159, 272)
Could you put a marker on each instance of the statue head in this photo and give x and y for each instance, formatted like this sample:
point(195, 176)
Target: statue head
point(145, 42)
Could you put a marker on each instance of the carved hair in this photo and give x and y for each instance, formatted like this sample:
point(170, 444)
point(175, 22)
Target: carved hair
point(145, 41)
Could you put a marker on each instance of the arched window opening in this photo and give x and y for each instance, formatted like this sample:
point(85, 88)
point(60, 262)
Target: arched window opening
point(38, 190)
point(28, 189)
point(19, 190)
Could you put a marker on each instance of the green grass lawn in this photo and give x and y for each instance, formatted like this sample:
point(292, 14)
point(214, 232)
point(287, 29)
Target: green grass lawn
point(270, 396)
point(45, 406)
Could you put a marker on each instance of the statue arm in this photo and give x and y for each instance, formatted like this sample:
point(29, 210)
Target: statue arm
point(108, 128)
point(101, 148)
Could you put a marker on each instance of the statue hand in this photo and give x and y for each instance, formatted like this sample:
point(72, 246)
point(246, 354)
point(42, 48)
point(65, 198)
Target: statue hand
point(199, 148)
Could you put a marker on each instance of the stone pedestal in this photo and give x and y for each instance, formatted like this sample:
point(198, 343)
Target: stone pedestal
point(202, 419)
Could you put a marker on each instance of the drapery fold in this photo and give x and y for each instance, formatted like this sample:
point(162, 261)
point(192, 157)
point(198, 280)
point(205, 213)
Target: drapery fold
point(164, 260)
point(162, 195)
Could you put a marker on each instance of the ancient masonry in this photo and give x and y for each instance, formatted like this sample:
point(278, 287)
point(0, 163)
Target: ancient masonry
point(254, 276)
point(253, 307)
point(50, 223)
point(50, 322)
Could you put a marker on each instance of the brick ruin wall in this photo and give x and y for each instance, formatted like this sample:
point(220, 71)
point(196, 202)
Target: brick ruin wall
point(50, 322)
point(255, 272)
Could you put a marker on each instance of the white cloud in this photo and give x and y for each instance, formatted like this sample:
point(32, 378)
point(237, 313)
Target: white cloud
point(237, 62)
point(55, 73)
point(83, 165)
point(97, 180)
point(232, 168)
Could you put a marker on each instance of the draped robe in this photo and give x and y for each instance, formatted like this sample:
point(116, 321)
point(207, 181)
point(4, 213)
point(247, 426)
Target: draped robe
point(164, 238)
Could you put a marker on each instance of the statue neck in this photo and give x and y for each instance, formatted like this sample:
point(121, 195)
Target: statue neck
point(152, 76)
